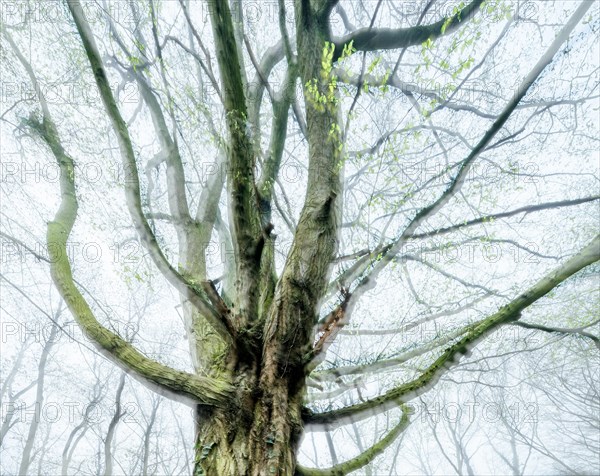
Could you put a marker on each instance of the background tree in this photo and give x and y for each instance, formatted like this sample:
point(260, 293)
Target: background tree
point(401, 131)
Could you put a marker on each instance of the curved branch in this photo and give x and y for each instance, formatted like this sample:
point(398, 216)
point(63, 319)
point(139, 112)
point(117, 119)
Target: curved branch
point(169, 149)
point(257, 87)
point(408, 88)
point(364, 458)
point(365, 259)
point(179, 385)
point(175, 384)
point(376, 39)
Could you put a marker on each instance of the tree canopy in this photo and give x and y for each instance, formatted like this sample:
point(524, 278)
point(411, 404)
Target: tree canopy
point(311, 230)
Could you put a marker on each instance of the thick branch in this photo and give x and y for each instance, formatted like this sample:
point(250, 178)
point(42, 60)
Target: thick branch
point(281, 107)
point(335, 321)
point(244, 213)
point(376, 39)
point(161, 378)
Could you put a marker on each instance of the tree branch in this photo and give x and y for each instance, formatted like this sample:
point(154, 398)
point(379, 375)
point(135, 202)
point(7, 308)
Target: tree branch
point(560, 330)
point(364, 458)
point(453, 354)
point(190, 291)
point(161, 378)
point(245, 218)
point(382, 365)
point(386, 254)
point(169, 149)
point(377, 39)
point(496, 216)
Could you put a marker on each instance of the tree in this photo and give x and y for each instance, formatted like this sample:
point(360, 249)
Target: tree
point(260, 325)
